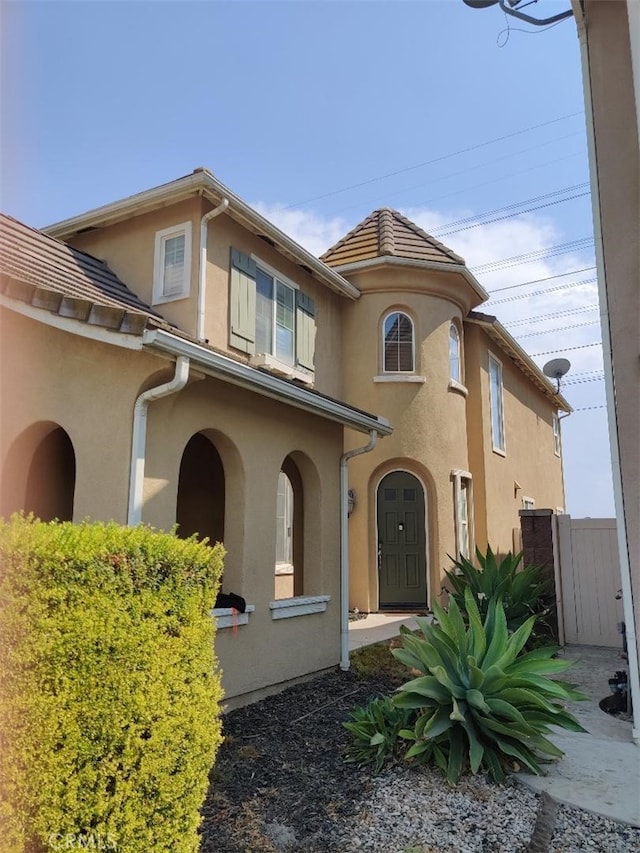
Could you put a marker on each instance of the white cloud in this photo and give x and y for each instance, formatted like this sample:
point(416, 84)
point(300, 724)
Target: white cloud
point(315, 233)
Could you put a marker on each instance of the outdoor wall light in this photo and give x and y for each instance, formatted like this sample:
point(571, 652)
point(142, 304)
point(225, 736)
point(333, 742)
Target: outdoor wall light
point(351, 501)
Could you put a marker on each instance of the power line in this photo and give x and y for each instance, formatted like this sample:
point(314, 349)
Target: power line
point(582, 381)
point(590, 408)
point(512, 206)
point(560, 329)
point(538, 280)
point(565, 349)
point(433, 160)
point(544, 291)
point(512, 215)
point(529, 257)
point(540, 317)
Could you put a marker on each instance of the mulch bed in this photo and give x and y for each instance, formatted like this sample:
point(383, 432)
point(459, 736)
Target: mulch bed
point(282, 767)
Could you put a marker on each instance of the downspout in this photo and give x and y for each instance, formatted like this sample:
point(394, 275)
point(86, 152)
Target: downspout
point(139, 436)
point(609, 382)
point(202, 272)
point(344, 546)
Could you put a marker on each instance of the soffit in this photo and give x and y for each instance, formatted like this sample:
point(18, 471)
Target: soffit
point(499, 335)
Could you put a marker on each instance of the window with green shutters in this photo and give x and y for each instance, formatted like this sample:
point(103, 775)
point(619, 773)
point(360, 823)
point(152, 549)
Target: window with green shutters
point(269, 316)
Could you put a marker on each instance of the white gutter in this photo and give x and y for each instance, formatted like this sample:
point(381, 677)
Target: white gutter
point(265, 384)
point(202, 274)
point(139, 436)
point(609, 382)
point(344, 546)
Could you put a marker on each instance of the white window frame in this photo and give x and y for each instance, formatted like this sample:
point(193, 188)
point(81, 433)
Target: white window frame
point(459, 379)
point(276, 279)
point(183, 229)
point(458, 477)
point(399, 373)
point(496, 405)
point(557, 445)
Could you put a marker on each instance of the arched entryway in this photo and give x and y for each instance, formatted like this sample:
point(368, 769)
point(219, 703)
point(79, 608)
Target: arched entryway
point(402, 540)
point(201, 491)
point(289, 568)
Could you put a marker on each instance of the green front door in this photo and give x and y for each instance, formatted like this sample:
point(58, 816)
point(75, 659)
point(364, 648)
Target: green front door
point(402, 564)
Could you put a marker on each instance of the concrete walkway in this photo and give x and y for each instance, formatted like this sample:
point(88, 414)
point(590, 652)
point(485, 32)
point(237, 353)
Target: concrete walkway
point(600, 771)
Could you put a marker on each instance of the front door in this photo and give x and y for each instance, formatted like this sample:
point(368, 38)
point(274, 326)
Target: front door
point(402, 564)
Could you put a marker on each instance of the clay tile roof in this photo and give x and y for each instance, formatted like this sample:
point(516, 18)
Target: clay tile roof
point(387, 233)
point(49, 274)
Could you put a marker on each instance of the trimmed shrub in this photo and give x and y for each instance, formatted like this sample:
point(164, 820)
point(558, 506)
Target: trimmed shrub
point(109, 689)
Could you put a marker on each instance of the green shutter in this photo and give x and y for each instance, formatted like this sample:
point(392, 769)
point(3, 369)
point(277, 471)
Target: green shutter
point(305, 331)
point(242, 302)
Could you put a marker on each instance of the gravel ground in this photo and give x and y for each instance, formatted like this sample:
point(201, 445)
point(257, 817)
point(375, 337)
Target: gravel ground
point(281, 784)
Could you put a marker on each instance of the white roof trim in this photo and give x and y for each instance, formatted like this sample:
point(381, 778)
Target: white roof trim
point(237, 373)
point(203, 182)
point(439, 266)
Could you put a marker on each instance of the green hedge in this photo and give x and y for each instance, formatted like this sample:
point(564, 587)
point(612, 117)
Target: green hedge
point(109, 689)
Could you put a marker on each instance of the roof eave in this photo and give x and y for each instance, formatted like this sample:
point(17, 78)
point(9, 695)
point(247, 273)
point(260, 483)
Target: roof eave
point(501, 336)
point(266, 384)
point(202, 182)
point(438, 266)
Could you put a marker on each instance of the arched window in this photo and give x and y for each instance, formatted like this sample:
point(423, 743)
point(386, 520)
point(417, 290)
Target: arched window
point(51, 478)
point(398, 347)
point(289, 532)
point(455, 371)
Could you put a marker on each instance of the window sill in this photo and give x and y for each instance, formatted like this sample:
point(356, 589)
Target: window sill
point(301, 605)
point(458, 388)
point(280, 368)
point(400, 377)
point(157, 299)
point(226, 617)
point(499, 452)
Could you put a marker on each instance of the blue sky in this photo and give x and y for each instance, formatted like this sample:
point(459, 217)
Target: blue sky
point(319, 112)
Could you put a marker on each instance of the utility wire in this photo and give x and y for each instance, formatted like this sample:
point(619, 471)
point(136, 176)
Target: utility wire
point(543, 292)
point(559, 329)
point(513, 206)
point(540, 317)
point(512, 215)
point(590, 408)
point(434, 160)
point(582, 381)
point(565, 349)
point(538, 280)
point(529, 257)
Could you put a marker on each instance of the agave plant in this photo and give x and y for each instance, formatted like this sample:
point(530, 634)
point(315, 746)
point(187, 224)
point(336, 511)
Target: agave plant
point(481, 704)
point(524, 591)
point(375, 729)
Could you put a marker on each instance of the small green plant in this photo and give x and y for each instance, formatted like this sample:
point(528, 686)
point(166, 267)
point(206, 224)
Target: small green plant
point(375, 729)
point(524, 591)
point(481, 705)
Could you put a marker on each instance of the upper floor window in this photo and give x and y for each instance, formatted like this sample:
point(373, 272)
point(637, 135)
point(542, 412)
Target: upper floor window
point(462, 505)
point(270, 316)
point(556, 435)
point(172, 263)
point(497, 411)
point(398, 343)
point(455, 372)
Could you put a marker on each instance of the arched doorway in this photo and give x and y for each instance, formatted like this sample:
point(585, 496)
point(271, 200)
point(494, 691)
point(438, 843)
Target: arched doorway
point(402, 539)
point(51, 478)
point(289, 568)
point(201, 491)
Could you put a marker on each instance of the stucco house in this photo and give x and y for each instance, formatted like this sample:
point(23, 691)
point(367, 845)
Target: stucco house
point(173, 357)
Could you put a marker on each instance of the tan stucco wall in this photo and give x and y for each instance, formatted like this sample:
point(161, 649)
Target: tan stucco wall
point(615, 165)
point(529, 459)
point(128, 248)
point(429, 421)
point(89, 389)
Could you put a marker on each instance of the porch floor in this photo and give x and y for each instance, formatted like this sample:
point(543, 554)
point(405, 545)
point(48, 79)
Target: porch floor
point(600, 771)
